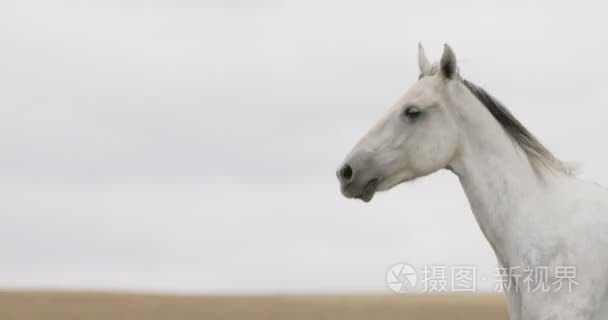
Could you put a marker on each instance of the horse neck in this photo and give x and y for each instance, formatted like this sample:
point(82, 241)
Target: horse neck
point(494, 172)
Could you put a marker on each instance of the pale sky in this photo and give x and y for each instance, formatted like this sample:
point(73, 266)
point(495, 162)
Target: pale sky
point(190, 146)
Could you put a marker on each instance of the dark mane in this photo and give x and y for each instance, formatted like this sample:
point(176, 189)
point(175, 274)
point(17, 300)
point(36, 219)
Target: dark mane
point(538, 154)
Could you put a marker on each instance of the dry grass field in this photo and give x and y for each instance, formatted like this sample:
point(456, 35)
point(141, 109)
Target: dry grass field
point(115, 306)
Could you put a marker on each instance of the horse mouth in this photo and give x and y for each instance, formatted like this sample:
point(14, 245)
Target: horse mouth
point(369, 190)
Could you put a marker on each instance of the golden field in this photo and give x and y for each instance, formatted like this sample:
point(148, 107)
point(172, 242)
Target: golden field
point(22, 305)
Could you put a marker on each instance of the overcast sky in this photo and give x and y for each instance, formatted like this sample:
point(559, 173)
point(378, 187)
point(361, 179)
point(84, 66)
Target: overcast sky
point(191, 145)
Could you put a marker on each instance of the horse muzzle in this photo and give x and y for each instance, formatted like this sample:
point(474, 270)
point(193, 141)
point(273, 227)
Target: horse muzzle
point(356, 184)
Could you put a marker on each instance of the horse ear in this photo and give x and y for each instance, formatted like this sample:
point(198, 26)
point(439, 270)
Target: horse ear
point(447, 64)
point(423, 61)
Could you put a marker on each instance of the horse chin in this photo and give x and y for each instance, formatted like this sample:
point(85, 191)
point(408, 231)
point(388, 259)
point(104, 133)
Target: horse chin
point(392, 182)
point(369, 190)
point(367, 197)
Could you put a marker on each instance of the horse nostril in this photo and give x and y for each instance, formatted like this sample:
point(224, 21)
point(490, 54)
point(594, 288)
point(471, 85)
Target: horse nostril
point(346, 173)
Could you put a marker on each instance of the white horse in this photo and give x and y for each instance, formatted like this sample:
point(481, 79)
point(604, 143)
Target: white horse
point(529, 205)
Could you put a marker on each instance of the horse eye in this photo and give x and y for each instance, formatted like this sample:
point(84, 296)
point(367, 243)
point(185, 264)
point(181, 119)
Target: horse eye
point(412, 112)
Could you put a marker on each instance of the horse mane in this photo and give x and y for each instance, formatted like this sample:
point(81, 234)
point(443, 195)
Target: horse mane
point(540, 157)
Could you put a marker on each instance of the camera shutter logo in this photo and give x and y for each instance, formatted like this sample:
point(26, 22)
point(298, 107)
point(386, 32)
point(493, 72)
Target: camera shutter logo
point(401, 278)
